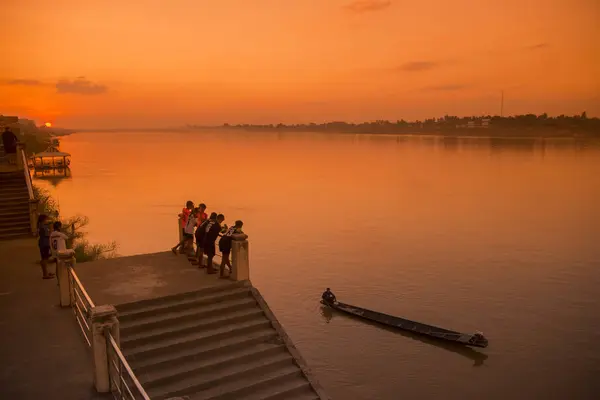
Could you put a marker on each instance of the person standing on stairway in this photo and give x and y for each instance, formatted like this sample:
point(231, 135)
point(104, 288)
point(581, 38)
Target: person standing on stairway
point(200, 235)
point(9, 141)
point(188, 233)
point(225, 247)
point(44, 245)
point(183, 217)
point(212, 233)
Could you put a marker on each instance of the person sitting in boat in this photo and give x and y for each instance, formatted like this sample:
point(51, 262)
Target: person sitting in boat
point(329, 297)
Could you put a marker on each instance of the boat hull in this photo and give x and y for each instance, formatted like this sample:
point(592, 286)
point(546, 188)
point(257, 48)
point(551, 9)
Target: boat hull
point(409, 326)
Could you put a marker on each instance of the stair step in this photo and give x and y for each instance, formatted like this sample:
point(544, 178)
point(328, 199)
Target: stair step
point(13, 189)
point(137, 305)
point(12, 177)
point(207, 365)
point(199, 325)
point(12, 225)
point(292, 389)
point(12, 209)
point(16, 231)
point(239, 388)
point(221, 379)
point(185, 303)
point(204, 350)
point(192, 340)
point(13, 197)
point(14, 235)
point(23, 216)
point(132, 326)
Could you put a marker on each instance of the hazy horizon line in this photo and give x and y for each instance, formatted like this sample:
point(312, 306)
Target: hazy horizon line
point(188, 125)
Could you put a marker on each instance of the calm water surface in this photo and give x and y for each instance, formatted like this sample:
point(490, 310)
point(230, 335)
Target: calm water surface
point(472, 235)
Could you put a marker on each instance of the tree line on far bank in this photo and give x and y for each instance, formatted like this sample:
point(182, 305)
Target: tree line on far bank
point(538, 125)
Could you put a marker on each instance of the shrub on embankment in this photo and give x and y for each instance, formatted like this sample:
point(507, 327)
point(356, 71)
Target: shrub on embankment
point(72, 227)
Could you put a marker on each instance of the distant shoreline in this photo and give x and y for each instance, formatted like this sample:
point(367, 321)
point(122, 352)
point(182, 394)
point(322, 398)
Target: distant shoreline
point(465, 133)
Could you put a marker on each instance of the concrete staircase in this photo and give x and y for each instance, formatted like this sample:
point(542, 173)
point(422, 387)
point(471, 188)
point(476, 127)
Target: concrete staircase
point(219, 343)
point(14, 205)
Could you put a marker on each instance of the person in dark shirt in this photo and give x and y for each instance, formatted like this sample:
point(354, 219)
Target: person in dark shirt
point(328, 297)
point(44, 245)
point(212, 233)
point(9, 141)
point(200, 234)
point(225, 247)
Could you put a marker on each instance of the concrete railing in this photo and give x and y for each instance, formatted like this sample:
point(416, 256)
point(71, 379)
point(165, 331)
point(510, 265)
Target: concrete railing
point(100, 328)
point(240, 256)
point(33, 202)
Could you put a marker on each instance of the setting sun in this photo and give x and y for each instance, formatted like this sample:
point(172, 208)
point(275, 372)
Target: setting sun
point(48, 124)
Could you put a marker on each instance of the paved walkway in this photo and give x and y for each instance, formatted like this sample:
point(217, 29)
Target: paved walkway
point(42, 352)
point(146, 276)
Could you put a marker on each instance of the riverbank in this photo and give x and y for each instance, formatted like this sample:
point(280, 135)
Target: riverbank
point(73, 228)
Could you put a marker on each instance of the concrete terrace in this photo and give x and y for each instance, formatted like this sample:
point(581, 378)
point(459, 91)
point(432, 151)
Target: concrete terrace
point(43, 353)
point(141, 277)
point(187, 333)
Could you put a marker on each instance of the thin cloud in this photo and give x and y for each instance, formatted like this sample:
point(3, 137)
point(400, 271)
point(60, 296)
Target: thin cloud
point(24, 82)
point(537, 46)
point(362, 6)
point(80, 86)
point(416, 66)
point(452, 87)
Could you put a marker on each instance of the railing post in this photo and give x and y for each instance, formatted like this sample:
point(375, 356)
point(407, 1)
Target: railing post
point(179, 232)
point(240, 260)
point(20, 148)
point(64, 259)
point(103, 317)
point(180, 235)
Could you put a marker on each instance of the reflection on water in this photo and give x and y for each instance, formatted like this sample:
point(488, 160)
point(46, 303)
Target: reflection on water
point(54, 176)
point(460, 233)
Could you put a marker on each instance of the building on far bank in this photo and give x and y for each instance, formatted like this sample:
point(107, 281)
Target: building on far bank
point(483, 123)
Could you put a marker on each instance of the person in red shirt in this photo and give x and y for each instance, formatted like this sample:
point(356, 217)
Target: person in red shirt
point(183, 217)
point(202, 216)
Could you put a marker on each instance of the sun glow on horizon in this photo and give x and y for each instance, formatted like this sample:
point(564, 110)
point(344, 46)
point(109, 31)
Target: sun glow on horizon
point(48, 124)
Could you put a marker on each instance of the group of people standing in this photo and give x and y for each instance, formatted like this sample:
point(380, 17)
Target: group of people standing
point(195, 223)
point(50, 241)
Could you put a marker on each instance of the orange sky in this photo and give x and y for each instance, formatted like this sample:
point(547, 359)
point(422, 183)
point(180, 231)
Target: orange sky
point(159, 63)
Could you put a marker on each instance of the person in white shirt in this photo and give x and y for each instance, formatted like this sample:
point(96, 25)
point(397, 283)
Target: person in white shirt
point(188, 232)
point(58, 240)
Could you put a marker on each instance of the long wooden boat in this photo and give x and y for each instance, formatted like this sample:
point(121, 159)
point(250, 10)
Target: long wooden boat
point(476, 339)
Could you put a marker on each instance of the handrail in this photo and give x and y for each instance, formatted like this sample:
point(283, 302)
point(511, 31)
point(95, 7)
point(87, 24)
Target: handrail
point(80, 296)
point(27, 176)
point(124, 364)
point(81, 303)
point(82, 289)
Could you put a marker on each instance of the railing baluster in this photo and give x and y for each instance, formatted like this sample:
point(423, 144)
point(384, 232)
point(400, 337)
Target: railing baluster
point(119, 371)
point(119, 376)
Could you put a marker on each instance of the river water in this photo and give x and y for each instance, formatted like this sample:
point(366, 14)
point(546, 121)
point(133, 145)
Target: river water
point(464, 234)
